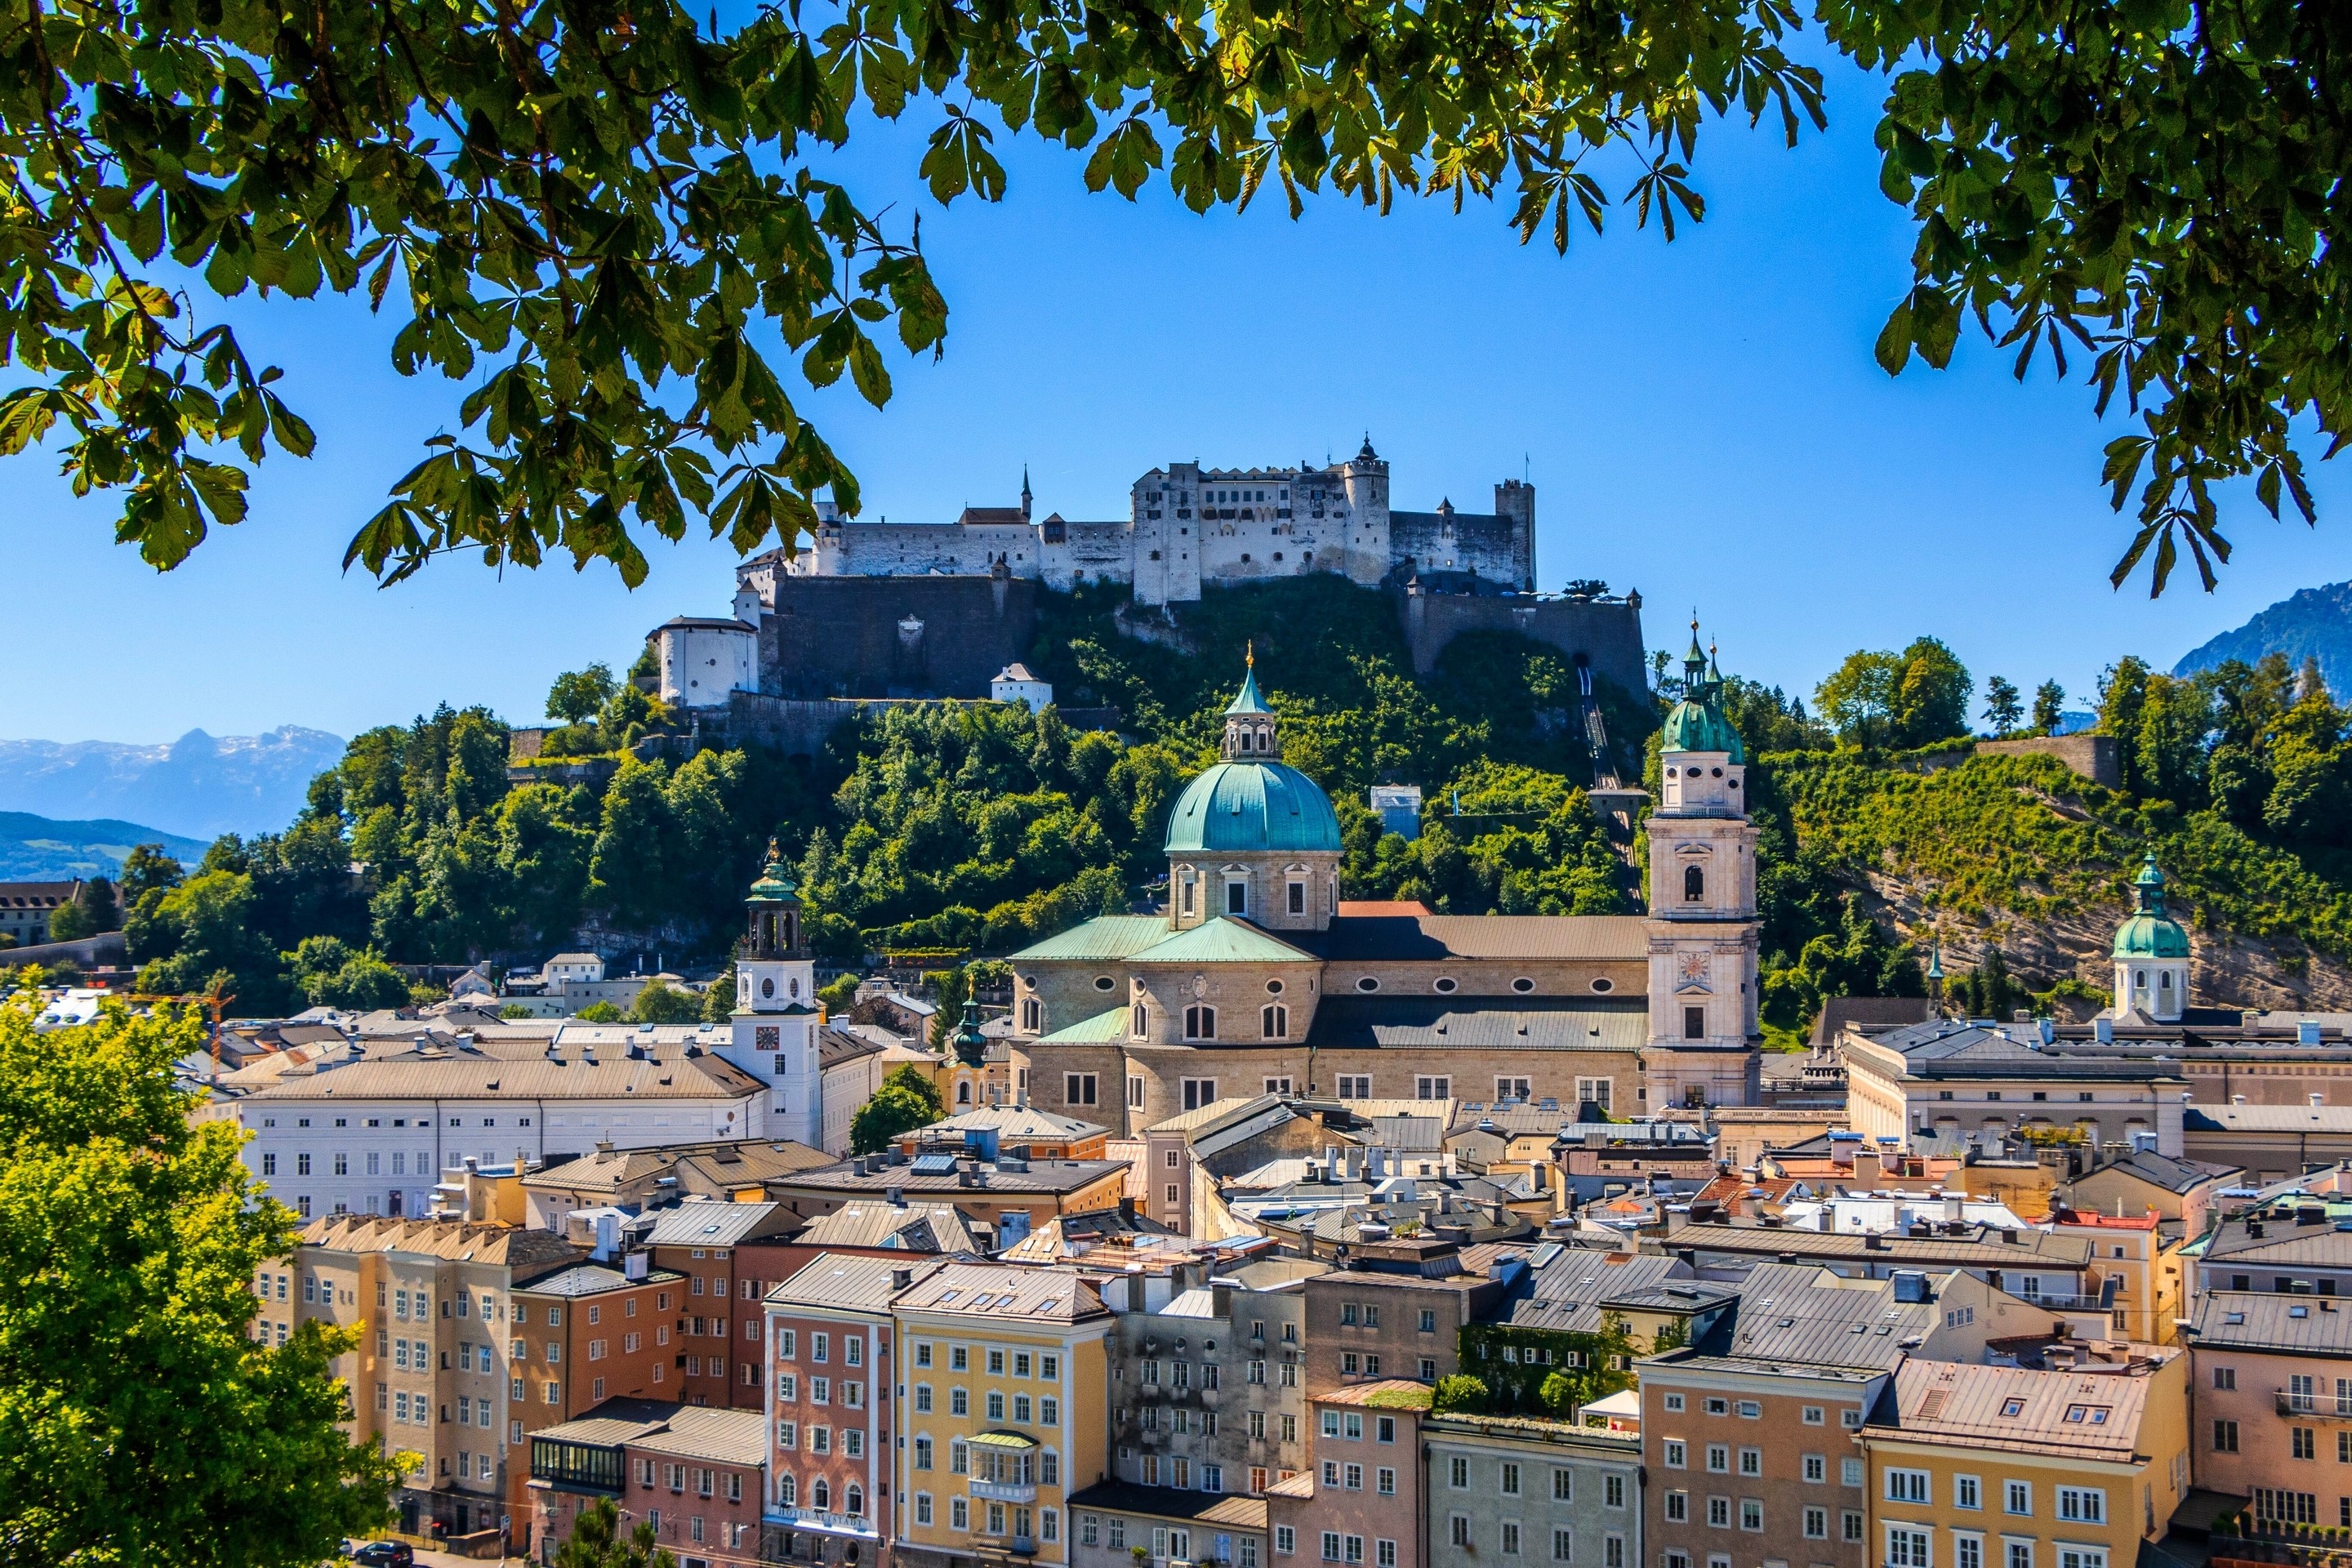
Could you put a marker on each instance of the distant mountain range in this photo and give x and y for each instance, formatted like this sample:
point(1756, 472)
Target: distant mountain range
point(2317, 623)
point(38, 849)
point(199, 786)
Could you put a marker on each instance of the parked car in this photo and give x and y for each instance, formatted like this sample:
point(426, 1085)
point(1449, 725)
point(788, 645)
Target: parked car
point(384, 1555)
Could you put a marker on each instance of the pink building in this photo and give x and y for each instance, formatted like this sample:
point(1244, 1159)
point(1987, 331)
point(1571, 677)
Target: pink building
point(1358, 1503)
point(2270, 1391)
point(696, 1474)
point(830, 1406)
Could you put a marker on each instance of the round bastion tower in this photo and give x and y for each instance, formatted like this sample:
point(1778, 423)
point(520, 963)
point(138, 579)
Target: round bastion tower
point(774, 1028)
point(1253, 837)
point(1704, 1044)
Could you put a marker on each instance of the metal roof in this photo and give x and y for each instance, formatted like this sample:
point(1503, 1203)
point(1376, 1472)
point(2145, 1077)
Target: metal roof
point(1222, 941)
point(1801, 1315)
point(847, 1279)
point(2261, 1321)
point(2091, 1413)
point(910, 1227)
point(717, 1223)
point(1231, 1509)
point(612, 1076)
point(1980, 1249)
point(1004, 1293)
point(1363, 939)
point(1576, 1291)
point(1105, 938)
point(686, 1431)
point(1246, 806)
point(592, 1279)
point(1441, 1023)
point(1103, 1027)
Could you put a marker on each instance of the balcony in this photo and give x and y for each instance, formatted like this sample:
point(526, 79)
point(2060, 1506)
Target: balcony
point(2318, 1406)
point(1004, 1492)
point(1021, 1546)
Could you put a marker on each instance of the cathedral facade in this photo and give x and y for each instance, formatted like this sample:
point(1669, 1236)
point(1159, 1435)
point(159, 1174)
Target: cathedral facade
point(1259, 979)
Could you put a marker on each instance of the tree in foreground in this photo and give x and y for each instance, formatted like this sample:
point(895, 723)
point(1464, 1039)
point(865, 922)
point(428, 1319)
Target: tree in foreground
point(141, 1422)
point(908, 1099)
point(2003, 705)
point(596, 1541)
point(602, 218)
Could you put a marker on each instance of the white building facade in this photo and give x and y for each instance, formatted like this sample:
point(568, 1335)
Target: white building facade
point(772, 1036)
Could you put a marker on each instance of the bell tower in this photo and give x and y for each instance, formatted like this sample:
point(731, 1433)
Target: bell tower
point(777, 1014)
point(1705, 1041)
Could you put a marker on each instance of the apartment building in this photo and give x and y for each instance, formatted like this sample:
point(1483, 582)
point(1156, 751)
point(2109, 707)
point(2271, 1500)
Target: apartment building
point(833, 1401)
point(2135, 1271)
point(1205, 1391)
point(718, 1360)
point(2001, 1467)
point(2271, 1385)
point(1113, 1520)
point(1360, 1503)
point(1532, 1491)
point(2290, 1245)
point(475, 1335)
point(695, 1475)
point(1397, 1309)
point(1747, 1432)
point(1011, 1361)
point(1007, 1197)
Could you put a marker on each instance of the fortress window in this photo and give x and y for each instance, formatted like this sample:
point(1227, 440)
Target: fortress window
point(1694, 884)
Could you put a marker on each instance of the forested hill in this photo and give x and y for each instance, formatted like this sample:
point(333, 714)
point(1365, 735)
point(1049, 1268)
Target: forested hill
point(977, 828)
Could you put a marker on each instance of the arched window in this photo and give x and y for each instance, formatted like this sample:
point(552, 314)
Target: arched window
point(1694, 884)
point(793, 986)
point(1246, 739)
point(1275, 1021)
point(963, 1092)
point(2164, 980)
point(820, 1495)
point(2139, 980)
point(1032, 1014)
point(1139, 1025)
point(788, 1490)
point(1199, 1023)
point(855, 1499)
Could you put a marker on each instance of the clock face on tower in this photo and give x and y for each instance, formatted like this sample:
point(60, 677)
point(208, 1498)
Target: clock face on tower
point(1690, 971)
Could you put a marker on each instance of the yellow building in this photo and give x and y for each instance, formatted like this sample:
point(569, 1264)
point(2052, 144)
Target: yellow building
point(2147, 1295)
point(1986, 1467)
point(1001, 1393)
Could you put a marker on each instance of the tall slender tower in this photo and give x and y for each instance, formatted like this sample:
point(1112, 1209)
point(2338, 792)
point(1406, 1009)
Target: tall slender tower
point(1704, 1044)
point(776, 1011)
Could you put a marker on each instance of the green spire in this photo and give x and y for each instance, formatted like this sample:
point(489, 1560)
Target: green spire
point(970, 1045)
point(2147, 888)
point(775, 883)
point(1248, 699)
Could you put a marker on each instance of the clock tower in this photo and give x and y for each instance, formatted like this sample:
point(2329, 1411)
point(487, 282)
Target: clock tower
point(776, 1011)
point(1704, 1042)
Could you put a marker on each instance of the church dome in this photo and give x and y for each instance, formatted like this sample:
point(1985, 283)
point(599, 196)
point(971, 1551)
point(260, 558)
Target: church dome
point(1246, 806)
point(1696, 723)
point(1696, 727)
point(2149, 931)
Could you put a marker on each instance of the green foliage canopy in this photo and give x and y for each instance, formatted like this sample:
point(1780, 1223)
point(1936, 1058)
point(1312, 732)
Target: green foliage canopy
point(141, 1420)
point(604, 220)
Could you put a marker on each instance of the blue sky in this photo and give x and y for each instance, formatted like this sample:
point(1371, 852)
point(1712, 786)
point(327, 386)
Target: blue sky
point(1702, 420)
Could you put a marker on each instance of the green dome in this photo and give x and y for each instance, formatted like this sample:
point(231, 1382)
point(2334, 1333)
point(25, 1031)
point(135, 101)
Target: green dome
point(775, 883)
point(1244, 806)
point(2149, 931)
point(1698, 727)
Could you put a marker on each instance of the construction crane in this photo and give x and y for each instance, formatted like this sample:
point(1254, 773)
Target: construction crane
point(211, 1000)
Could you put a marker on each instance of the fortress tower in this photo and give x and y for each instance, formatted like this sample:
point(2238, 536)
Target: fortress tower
point(1704, 1041)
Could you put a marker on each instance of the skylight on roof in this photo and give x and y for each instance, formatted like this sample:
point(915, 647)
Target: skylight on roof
point(2012, 1407)
point(933, 1165)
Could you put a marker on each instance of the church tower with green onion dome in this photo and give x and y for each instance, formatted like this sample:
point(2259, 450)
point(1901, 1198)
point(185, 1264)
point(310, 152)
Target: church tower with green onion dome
point(2151, 954)
point(1705, 1041)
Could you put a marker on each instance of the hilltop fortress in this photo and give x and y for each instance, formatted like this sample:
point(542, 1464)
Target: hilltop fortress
point(873, 610)
point(1188, 525)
